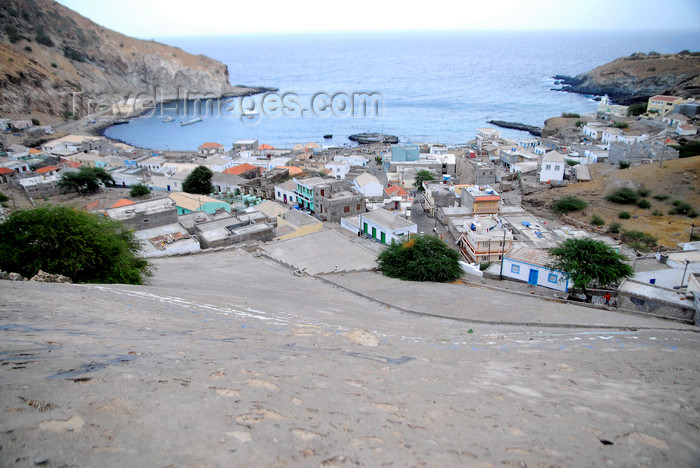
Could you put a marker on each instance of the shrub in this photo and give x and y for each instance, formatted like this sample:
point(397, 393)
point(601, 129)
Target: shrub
point(624, 215)
point(683, 208)
point(27, 48)
point(3, 198)
point(687, 150)
point(35, 122)
point(579, 123)
point(614, 228)
point(640, 237)
point(644, 204)
point(623, 196)
point(43, 39)
point(420, 258)
point(570, 115)
point(54, 65)
point(637, 109)
point(656, 213)
point(139, 190)
point(661, 197)
point(571, 162)
point(568, 204)
point(484, 265)
point(621, 125)
point(62, 240)
point(623, 164)
point(643, 192)
point(597, 220)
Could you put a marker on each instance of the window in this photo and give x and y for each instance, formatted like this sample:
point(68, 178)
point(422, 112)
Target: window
point(358, 207)
point(515, 269)
point(556, 168)
point(552, 278)
point(346, 209)
point(548, 166)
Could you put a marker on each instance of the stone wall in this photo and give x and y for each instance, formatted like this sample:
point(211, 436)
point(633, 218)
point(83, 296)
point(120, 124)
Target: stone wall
point(659, 307)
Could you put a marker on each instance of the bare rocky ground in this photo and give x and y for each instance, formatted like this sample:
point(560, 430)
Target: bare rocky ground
point(231, 360)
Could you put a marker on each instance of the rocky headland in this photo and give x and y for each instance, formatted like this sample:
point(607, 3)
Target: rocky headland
point(50, 54)
point(633, 79)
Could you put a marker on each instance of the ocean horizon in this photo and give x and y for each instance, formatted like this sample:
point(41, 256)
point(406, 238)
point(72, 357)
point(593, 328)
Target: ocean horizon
point(432, 86)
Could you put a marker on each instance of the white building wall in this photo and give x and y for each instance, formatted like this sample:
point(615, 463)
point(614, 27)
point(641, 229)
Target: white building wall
point(398, 235)
point(547, 278)
point(555, 172)
point(280, 195)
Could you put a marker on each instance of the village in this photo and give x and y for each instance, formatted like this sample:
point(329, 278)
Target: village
point(325, 210)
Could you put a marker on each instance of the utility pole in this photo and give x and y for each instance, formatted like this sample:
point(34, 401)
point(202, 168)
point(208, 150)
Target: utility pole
point(692, 228)
point(503, 256)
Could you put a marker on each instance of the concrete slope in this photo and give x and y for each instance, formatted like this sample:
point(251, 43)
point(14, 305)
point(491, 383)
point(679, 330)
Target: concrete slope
point(231, 360)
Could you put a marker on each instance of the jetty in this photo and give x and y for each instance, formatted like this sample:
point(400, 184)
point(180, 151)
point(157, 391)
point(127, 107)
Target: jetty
point(536, 131)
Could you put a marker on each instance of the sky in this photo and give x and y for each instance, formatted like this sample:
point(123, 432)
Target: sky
point(167, 18)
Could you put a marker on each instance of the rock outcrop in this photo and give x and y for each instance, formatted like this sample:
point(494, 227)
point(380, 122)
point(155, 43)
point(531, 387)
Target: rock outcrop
point(632, 79)
point(49, 54)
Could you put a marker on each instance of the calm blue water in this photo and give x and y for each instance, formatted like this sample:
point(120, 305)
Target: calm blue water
point(435, 86)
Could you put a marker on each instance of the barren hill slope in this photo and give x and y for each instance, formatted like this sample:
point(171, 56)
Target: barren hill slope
point(677, 179)
point(48, 50)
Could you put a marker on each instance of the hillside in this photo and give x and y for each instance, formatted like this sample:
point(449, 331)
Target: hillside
point(637, 77)
point(47, 50)
point(676, 179)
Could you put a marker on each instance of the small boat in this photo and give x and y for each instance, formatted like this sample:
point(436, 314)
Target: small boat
point(190, 122)
point(120, 121)
point(328, 136)
point(168, 119)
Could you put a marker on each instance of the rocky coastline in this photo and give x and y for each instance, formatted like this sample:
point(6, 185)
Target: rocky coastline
point(536, 131)
point(634, 79)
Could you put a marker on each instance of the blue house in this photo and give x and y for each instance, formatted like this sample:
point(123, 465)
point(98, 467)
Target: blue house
point(530, 265)
point(405, 153)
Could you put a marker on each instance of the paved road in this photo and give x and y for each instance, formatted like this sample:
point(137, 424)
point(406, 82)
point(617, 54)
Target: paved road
point(230, 360)
point(429, 225)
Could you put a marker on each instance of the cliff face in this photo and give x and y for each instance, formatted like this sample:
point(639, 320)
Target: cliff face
point(47, 50)
point(637, 77)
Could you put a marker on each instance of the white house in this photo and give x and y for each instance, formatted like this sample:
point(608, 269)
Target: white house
point(385, 226)
point(674, 120)
point(368, 185)
point(686, 130)
point(529, 265)
point(552, 168)
point(610, 134)
point(284, 192)
point(209, 148)
point(593, 130)
point(339, 169)
point(352, 159)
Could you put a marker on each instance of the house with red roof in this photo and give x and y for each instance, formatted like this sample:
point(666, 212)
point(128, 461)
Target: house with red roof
point(47, 171)
point(122, 202)
point(396, 191)
point(209, 148)
point(5, 174)
point(245, 170)
point(662, 105)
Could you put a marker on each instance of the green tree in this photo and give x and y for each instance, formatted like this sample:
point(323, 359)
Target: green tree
point(422, 176)
point(420, 258)
point(139, 190)
point(63, 240)
point(378, 159)
point(199, 181)
point(568, 204)
point(588, 261)
point(86, 180)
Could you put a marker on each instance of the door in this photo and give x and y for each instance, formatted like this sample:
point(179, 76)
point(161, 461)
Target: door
point(374, 233)
point(383, 238)
point(533, 276)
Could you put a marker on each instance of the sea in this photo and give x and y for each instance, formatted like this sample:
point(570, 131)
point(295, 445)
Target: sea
point(421, 87)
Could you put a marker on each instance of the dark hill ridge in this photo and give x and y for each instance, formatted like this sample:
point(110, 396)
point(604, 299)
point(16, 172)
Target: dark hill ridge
point(636, 78)
point(47, 49)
